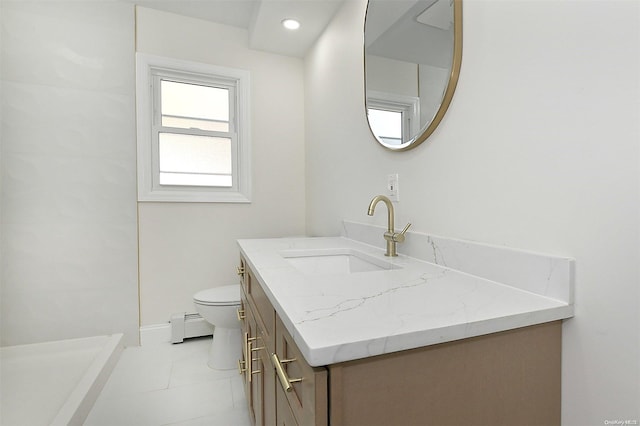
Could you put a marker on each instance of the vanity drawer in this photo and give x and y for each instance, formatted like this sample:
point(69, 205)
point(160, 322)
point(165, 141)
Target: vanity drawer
point(303, 386)
point(264, 311)
point(259, 303)
point(243, 275)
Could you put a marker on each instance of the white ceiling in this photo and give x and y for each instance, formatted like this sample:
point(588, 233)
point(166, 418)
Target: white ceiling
point(262, 19)
point(414, 31)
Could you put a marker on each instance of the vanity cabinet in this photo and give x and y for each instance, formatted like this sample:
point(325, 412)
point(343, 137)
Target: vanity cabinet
point(258, 342)
point(268, 352)
point(504, 378)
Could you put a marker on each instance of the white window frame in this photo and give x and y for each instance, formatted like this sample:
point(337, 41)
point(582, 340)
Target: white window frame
point(148, 68)
point(409, 106)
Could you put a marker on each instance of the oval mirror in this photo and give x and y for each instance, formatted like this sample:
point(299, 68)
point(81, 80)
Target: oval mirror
point(412, 56)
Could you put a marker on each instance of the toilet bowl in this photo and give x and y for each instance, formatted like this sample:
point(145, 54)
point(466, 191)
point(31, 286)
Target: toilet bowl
point(218, 306)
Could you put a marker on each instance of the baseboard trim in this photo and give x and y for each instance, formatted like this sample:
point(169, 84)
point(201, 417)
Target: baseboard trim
point(192, 325)
point(155, 334)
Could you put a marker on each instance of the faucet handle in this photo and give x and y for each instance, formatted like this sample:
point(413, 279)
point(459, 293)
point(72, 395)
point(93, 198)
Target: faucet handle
point(399, 238)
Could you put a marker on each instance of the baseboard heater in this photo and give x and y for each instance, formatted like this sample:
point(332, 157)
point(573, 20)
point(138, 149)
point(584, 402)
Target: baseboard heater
point(185, 326)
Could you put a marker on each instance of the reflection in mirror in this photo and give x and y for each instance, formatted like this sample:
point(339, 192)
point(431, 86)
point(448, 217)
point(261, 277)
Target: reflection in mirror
point(413, 50)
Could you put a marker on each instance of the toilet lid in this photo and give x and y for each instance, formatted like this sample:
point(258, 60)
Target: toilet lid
point(225, 295)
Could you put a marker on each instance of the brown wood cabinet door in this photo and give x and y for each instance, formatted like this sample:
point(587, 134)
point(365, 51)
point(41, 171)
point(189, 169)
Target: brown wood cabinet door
point(307, 396)
point(253, 379)
point(285, 415)
point(257, 382)
point(246, 332)
point(268, 377)
point(258, 374)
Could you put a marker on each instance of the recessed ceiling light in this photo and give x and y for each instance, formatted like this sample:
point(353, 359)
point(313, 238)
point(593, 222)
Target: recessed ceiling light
point(290, 24)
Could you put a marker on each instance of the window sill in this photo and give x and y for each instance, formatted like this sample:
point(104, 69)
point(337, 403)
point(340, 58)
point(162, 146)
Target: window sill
point(193, 197)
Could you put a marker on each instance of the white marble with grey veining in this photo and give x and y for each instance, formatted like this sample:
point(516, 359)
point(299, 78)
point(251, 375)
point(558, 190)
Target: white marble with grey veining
point(342, 317)
point(538, 273)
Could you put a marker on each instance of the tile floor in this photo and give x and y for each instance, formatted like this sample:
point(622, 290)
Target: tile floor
point(170, 384)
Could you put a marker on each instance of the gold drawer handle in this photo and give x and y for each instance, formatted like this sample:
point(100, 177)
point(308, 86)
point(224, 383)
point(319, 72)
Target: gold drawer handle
point(241, 368)
point(242, 363)
point(250, 360)
point(285, 381)
point(255, 371)
point(240, 314)
point(245, 365)
point(240, 270)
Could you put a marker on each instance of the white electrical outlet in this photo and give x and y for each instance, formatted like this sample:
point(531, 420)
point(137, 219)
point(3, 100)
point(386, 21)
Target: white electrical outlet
point(393, 190)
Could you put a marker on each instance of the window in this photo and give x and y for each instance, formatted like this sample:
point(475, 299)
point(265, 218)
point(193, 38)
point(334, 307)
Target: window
point(387, 125)
point(193, 131)
point(393, 118)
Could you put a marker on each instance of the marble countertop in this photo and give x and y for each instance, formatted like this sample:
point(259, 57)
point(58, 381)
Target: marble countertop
point(342, 317)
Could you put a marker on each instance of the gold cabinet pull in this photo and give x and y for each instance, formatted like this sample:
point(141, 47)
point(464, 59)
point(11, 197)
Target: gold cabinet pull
point(245, 338)
point(244, 365)
point(240, 314)
point(255, 371)
point(248, 358)
point(240, 270)
point(285, 381)
point(250, 351)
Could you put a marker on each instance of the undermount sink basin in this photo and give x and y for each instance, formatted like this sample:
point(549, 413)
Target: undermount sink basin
point(334, 261)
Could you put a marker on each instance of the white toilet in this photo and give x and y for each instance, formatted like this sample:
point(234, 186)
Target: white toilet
point(218, 306)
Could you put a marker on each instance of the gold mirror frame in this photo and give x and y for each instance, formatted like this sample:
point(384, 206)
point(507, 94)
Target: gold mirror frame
point(448, 94)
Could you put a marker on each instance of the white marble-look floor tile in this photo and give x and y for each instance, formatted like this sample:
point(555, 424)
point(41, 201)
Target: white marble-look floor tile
point(237, 392)
point(139, 370)
point(164, 406)
point(169, 384)
point(190, 367)
point(234, 417)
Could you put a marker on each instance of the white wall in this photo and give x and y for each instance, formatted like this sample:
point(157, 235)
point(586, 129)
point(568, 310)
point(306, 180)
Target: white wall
point(69, 227)
point(186, 247)
point(539, 150)
point(433, 80)
point(380, 70)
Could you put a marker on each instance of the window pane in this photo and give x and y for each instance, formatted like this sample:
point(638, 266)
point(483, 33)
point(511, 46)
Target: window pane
point(194, 160)
point(387, 125)
point(194, 106)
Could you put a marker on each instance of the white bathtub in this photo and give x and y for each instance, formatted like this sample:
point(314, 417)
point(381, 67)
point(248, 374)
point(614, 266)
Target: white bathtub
point(55, 383)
